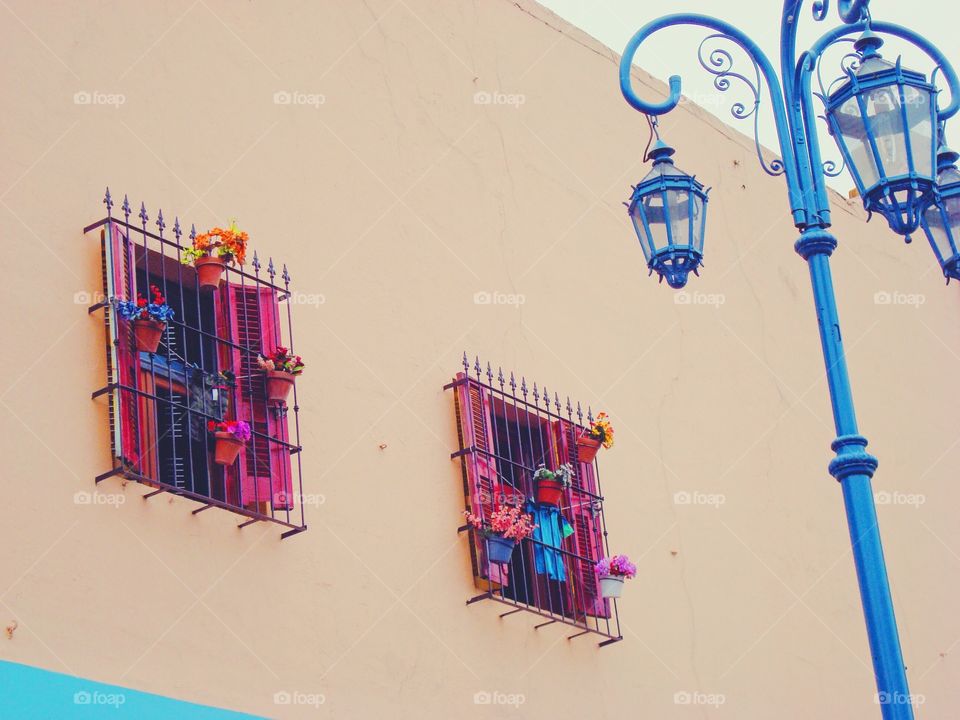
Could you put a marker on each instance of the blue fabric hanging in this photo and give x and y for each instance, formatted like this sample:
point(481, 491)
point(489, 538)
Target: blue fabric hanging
point(551, 528)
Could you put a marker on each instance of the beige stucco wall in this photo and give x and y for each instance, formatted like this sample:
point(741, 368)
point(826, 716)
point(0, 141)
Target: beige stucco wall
point(396, 200)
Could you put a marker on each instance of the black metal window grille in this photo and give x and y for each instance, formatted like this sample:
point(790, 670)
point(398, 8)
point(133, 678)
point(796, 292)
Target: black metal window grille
point(506, 430)
point(160, 403)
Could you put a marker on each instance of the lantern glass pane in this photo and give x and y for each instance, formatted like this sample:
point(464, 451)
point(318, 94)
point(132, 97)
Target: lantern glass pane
point(678, 202)
point(885, 123)
point(653, 209)
point(917, 102)
point(635, 214)
point(699, 222)
point(937, 231)
point(852, 133)
point(942, 221)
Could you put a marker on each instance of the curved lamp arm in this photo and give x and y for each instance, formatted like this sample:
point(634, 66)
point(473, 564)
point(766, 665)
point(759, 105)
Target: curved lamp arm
point(809, 163)
point(850, 11)
point(796, 195)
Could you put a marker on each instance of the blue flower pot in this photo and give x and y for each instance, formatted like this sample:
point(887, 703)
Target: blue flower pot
point(500, 549)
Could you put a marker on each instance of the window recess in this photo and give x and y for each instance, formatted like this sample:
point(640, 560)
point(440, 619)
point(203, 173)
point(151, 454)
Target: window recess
point(506, 430)
point(205, 369)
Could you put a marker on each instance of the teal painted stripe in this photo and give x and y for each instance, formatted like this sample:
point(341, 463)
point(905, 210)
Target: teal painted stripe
point(27, 693)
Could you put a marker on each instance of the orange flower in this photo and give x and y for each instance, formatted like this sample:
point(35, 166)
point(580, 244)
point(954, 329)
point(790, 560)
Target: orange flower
point(232, 239)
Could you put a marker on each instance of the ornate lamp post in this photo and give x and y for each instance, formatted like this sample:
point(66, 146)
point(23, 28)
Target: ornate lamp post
point(884, 119)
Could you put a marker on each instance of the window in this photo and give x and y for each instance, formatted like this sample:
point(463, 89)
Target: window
point(506, 430)
point(205, 369)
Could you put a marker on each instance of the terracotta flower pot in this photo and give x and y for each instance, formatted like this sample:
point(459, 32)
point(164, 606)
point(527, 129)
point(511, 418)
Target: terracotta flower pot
point(279, 385)
point(611, 586)
point(147, 334)
point(227, 447)
point(549, 492)
point(209, 270)
point(587, 447)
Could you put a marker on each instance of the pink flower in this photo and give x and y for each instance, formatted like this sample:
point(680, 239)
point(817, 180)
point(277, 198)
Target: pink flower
point(618, 566)
point(508, 522)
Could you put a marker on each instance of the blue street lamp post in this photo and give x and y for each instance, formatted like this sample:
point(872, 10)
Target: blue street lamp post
point(887, 127)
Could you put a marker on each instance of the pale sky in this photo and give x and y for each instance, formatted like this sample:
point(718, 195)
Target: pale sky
point(673, 51)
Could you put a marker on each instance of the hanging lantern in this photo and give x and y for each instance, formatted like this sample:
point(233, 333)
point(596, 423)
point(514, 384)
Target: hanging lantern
point(669, 212)
point(941, 221)
point(883, 119)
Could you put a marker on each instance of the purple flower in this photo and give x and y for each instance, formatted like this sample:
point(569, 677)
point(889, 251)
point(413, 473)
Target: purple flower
point(240, 430)
point(618, 566)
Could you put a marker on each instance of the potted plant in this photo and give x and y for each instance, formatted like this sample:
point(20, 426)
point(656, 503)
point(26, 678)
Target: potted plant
point(599, 433)
point(612, 572)
point(508, 525)
point(551, 483)
point(212, 251)
point(149, 319)
point(230, 437)
point(281, 368)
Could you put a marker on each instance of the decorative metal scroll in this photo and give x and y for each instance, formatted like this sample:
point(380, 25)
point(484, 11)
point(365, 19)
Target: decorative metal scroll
point(719, 63)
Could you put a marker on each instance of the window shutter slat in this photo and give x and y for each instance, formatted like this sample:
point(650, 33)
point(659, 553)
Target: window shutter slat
point(484, 486)
point(121, 284)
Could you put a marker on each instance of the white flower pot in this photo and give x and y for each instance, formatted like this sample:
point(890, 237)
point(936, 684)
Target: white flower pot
point(611, 586)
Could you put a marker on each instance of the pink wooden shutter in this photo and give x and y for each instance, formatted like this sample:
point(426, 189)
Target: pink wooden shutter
point(484, 487)
point(281, 472)
point(587, 542)
point(248, 317)
point(120, 272)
